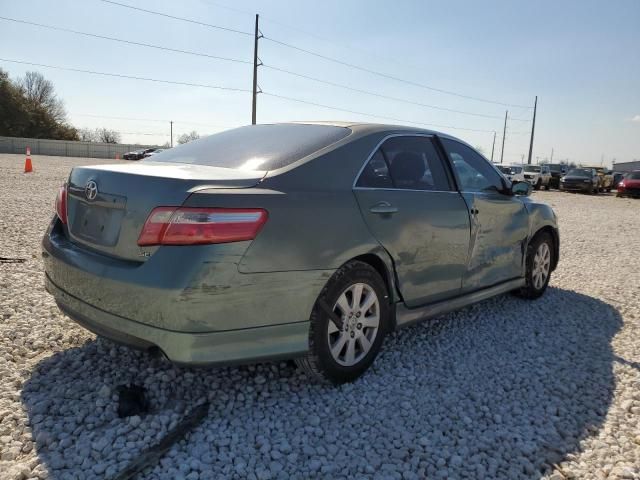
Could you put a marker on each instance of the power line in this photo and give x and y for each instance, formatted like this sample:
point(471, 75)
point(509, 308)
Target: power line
point(319, 55)
point(385, 75)
point(150, 120)
point(367, 92)
point(174, 17)
point(131, 77)
point(288, 72)
point(298, 100)
point(129, 42)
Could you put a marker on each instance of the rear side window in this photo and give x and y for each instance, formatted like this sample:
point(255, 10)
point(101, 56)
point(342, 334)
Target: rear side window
point(376, 173)
point(255, 147)
point(405, 162)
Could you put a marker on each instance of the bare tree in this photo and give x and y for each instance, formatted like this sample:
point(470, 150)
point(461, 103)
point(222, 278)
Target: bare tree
point(87, 135)
point(107, 136)
point(39, 92)
point(188, 137)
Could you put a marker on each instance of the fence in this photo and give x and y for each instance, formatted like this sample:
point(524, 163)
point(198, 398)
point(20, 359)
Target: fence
point(65, 148)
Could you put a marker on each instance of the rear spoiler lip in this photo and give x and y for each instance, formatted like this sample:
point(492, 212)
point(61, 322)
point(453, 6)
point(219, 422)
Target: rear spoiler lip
point(218, 186)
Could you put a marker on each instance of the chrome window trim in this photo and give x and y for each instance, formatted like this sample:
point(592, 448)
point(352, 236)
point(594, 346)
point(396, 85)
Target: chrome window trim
point(378, 145)
point(405, 190)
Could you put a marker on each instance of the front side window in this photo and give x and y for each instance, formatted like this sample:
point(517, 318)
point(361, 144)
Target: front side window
point(407, 163)
point(474, 173)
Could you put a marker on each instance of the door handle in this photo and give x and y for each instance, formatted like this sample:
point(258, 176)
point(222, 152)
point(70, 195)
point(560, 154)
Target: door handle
point(383, 208)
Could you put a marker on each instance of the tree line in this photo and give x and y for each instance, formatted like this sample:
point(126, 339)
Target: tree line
point(30, 107)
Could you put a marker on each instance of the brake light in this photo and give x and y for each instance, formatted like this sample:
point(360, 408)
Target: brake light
point(61, 204)
point(197, 226)
point(621, 184)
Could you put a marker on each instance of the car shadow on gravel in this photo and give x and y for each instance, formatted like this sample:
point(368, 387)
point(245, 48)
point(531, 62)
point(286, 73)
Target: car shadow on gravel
point(504, 389)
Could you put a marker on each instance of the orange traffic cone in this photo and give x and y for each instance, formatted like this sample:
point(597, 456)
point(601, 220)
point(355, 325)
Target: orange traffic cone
point(27, 163)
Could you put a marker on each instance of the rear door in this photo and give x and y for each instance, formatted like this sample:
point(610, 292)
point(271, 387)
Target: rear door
point(499, 221)
point(406, 198)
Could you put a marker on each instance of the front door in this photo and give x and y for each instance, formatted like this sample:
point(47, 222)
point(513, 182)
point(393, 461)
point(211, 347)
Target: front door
point(499, 221)
point(408, 203)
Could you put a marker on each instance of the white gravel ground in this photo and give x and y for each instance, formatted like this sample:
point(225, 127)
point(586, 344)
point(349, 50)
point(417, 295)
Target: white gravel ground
point(504, 389)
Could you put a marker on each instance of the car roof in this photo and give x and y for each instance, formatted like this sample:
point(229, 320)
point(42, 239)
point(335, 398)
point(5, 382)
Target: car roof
point(367, 127)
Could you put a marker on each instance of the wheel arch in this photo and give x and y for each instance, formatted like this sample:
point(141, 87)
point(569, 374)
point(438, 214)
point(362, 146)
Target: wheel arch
point(556, 242)
point(381, 262)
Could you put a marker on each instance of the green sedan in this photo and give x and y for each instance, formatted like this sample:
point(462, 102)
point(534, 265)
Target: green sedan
point(301, 240)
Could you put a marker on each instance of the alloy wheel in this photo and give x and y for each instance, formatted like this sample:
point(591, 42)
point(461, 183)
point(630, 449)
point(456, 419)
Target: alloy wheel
point(359, 308)
point(541, 265)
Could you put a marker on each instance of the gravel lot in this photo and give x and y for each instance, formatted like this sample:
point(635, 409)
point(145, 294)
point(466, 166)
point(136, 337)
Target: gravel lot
point(504, 389)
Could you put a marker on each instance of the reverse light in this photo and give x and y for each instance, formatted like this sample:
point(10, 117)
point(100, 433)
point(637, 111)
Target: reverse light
point(197, 226)
point(621, 185)
point(61, 204)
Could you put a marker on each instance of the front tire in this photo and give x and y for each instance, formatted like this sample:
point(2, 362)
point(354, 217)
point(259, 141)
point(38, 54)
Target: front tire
point(357, 296)
point(538, 184)
point(538, 266)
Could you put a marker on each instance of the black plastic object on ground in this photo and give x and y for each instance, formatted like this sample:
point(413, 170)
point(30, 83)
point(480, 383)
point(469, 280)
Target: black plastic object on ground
point(132, 400)
point(151, 456)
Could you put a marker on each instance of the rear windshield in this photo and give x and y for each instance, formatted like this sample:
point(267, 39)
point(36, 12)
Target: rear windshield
point(255, 147)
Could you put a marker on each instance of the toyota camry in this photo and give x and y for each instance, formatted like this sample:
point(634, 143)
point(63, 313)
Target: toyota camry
point(301, 240)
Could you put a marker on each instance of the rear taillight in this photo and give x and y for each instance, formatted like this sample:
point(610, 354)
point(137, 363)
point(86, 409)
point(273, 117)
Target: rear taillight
point(196, 226)
point(61, 204)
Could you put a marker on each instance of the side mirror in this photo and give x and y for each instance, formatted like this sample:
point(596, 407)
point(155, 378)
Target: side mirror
point(521, 188)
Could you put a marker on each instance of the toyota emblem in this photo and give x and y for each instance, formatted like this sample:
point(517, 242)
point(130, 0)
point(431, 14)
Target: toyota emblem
point(91, 190)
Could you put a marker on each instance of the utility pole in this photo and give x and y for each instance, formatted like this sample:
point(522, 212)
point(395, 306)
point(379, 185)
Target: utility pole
point(171, 122)
point(504, 132)
point(533, 129)
point(551, 155)
point(256, 36)
point(493, 146)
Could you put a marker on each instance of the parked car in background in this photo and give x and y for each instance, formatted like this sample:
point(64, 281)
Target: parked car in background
point(137, 154)
point(584, 180)
point(537, 175)
point(558, 170)
point(152, 152)
point(217, 251)
point(617, 177)
point(630, 185)
point(605, 178)
point(133, 155)
point(514, 173)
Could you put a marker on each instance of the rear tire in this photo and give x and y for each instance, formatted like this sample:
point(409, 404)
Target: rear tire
point(540, 252)
point(358, 296)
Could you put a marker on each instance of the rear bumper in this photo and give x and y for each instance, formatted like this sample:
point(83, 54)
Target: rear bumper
point(629, 192)
point(191, 302)
point(217, 348)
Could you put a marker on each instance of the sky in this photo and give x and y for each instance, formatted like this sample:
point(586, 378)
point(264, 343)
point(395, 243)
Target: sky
point(581, 58)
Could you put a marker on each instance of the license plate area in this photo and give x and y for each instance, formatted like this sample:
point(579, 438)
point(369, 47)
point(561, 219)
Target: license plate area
point(97, 224)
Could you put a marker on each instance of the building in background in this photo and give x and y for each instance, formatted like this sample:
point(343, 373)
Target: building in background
point(624, 167)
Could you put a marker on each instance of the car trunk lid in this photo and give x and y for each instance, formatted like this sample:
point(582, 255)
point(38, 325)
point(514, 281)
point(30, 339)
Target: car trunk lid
point(107, 205)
